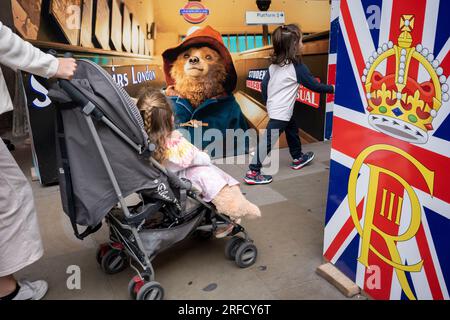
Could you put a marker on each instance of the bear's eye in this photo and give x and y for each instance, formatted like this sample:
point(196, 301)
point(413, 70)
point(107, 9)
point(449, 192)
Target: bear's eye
point(186, 56)
point(208, 57)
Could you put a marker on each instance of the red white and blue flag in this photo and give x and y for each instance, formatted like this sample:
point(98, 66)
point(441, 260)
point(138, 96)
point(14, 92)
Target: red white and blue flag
point(388, 210)
point(332, 54)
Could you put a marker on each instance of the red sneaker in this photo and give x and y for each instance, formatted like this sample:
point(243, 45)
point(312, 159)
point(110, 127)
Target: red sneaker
point(303, 161)
point(255, 177)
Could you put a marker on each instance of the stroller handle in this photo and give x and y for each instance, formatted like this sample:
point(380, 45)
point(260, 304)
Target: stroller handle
point(73, 92)
point(70, 89)
point(67, 86)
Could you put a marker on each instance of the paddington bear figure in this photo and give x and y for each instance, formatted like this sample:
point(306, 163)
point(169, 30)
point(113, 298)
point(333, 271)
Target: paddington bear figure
point(201, 78)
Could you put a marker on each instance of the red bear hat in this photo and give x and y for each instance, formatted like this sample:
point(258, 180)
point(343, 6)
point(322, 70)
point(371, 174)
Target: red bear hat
point(207, 37)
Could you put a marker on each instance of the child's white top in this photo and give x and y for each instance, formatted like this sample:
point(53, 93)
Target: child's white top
point(280, 86)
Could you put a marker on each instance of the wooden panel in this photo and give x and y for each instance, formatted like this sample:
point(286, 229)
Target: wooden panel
point(147, 47)
point(153, 31)
point(27, 17)
point(86, 52)
point(134, 35)
point(316, 47)
point(253, 110)
point(141, 41)
point(126, 32)
point(116, 25)
point(86, 24)
point(338, 279)
point(102, 19)
point(67, 19)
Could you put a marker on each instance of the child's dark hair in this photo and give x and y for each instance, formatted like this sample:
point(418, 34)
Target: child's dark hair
point(285, 41)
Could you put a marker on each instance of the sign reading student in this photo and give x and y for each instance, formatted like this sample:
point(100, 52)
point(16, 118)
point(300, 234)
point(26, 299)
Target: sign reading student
point(388, 210)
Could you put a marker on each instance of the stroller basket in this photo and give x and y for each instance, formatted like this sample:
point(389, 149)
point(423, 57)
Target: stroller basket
point(157, 240)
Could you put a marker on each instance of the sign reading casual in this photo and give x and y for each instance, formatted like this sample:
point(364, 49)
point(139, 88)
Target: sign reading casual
point(194, 12)
point(388, 212)
point(304, 95)
point(264, 17)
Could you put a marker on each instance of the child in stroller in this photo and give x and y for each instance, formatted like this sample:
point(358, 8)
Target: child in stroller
point(104, 155)
point(180, 156)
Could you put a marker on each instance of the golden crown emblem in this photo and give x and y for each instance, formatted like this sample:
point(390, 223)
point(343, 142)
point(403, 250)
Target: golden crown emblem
point(398, 104)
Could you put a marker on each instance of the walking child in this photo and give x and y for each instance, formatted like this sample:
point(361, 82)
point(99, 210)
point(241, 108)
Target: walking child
point(279, 91)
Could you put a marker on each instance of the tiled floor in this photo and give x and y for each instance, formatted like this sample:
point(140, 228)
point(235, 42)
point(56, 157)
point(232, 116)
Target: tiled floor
point(289, 238)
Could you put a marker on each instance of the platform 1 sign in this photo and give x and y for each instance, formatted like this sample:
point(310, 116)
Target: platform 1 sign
point(388, 211)
point(264, 17)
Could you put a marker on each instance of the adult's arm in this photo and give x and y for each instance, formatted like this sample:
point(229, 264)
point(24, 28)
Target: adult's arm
point(19, 54)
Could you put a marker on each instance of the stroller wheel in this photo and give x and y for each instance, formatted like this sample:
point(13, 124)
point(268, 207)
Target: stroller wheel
point(101, 250)
point(114, 261)
point(134, 286)
point(246, 255)
point(150, 291)
point(232, 246)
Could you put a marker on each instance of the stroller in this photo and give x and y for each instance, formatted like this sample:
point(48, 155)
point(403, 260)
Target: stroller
point(104, 155)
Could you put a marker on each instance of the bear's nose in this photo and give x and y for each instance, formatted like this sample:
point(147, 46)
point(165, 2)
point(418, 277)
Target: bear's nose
point(193, 60)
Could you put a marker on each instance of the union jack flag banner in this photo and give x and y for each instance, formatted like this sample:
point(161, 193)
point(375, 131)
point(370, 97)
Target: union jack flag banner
point(334, 33)
point(387, 223)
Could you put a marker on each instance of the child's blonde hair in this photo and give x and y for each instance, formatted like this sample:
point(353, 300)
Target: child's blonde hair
point(158, 120)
